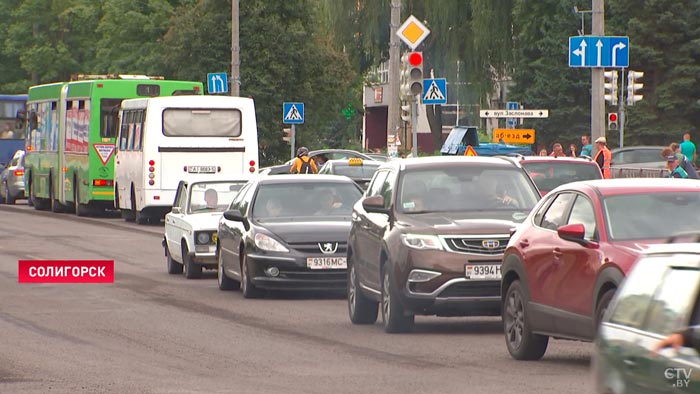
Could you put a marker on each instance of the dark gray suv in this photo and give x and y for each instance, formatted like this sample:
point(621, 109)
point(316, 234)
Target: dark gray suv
point(428, 237)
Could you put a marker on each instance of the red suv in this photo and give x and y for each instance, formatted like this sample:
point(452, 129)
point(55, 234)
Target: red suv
point(552, 172)
point(564, 263)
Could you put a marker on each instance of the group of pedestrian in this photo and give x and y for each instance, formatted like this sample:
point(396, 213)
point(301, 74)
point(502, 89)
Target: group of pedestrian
point(603, 157)
point(680, 157)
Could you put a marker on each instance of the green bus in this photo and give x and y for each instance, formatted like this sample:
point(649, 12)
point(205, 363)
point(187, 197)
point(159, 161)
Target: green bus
point(71, 131)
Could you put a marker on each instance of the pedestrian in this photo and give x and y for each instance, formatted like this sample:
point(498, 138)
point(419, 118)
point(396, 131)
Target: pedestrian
point(674, 167)
point(683, 161)
point(688, 147)
point(586, 147)
point(572, 149)
point(303, 164)
point(543, 152)
point(7, 133)
point(603, 157)
point(557, 150)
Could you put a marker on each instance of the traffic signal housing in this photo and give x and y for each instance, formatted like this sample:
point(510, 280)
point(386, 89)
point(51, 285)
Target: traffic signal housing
point(612, 121)
point(406, 111)
point(611, 91)
point(415, 61)
point(287, 134)
point(634, 86)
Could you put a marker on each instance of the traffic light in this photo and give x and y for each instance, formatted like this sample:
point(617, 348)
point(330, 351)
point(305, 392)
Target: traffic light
point(610, 87)
point(287, 135)
point(634, 86)
point(406, 111)
point(404, 86)
point(415, 75)
point(612, 121)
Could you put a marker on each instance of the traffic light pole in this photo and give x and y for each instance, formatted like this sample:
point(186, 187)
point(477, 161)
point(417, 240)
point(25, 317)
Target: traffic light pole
point(597, 93)
point(292, 139)
point(414, 126)
point(621, 108)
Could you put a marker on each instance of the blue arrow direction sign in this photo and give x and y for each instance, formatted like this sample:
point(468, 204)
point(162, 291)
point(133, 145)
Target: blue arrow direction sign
point(217, 83)
point(598, 51)
point(293, 113)
point(434, 91)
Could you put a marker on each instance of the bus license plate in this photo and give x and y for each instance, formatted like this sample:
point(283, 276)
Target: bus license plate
point(326, 263)
point(480, 271)
point(201, 169)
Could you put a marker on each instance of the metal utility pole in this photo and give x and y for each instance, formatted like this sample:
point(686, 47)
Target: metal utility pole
point(621, 108)
point(597, 99)
point(235, 51)
point(394, 115)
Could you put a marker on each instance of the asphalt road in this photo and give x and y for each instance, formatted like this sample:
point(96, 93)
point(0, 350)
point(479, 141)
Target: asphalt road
point(151, 332)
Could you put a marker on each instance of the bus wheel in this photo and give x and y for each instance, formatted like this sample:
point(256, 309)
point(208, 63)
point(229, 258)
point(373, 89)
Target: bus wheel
point(127, 214)
point(53, 203)
point(80, 209)
point(39, 204)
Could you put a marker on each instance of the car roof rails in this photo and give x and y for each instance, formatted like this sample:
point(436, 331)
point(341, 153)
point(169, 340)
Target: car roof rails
point(688, 236)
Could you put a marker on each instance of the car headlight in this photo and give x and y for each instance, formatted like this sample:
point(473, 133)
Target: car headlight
point(421, 241)
point(203, 238)
point(268, 243)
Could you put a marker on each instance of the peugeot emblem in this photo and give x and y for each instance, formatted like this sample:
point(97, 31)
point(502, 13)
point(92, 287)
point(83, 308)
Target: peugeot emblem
point(328, 247)
point(490, 243)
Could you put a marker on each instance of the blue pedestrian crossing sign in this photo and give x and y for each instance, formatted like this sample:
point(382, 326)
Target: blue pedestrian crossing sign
point(599, 51)
point(217, 83)
point(434, 91)
point(293, 113)
point(512, 122)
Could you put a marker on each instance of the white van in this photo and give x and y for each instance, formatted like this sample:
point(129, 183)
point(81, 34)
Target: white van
point(164, 140)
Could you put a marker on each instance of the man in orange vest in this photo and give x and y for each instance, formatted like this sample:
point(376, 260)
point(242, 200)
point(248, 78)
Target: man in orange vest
point(603, 157)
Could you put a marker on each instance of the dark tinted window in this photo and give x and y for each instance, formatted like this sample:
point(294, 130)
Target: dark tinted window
point(109, 112)
point(548, 176)
point(148, 90)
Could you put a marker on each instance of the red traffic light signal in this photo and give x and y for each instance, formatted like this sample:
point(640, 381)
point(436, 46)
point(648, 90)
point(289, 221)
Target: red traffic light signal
point(612, 121)
point(612, 117)
point(415, 59)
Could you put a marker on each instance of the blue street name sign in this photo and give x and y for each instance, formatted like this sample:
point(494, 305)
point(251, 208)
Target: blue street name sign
point(599, 51)
point(434, 91)
point(217, 83)
point(293, 113)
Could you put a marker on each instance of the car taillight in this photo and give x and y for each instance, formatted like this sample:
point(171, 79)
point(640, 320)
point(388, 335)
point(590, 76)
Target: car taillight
point(102, 182)
point(19, 172)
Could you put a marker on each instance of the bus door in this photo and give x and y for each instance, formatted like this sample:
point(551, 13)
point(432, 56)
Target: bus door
point(60, 177)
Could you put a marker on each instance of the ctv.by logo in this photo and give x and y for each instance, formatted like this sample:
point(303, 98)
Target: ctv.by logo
point(679, 377)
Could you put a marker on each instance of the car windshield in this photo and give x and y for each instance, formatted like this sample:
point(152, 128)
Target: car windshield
point(304, 201)
point(466, 188)
point(212, 196)
point(550, 175)
point(651, 215)
point(364, 171)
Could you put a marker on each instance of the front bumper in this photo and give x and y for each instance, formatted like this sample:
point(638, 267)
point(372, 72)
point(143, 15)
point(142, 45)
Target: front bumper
point(294, 274)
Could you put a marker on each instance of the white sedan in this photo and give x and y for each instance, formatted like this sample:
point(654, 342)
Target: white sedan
point(191, 225)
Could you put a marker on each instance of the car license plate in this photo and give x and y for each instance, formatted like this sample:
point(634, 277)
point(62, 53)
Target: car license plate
point(483, 271)
point(201, 169)
point(327, 263)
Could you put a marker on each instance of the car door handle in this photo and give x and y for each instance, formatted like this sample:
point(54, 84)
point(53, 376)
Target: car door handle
point(630, 362)
point(524, 243)
point(557, 252)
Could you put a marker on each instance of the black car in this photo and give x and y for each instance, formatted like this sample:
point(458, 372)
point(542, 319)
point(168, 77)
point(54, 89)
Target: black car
point(286, 232)
point(428, 238)
point(320, 156)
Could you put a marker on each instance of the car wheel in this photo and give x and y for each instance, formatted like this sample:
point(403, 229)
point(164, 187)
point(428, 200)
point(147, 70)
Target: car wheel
point(362, 310)
point(602, 307)
point(190, 269)
point(225, 283)
point(174, 268)
point(247, 287)
point(521, 342)
point(394, 316)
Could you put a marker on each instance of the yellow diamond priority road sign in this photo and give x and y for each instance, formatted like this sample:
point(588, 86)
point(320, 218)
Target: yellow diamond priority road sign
point(412, 32)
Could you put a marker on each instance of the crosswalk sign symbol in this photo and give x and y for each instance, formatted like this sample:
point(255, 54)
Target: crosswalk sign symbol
point(470, 151)
point(293, 113)
point(434, 91)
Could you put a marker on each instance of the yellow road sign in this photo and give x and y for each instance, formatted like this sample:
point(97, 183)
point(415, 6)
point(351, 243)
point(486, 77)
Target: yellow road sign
point(514, 136)
point(412, 32)
point(470, 151)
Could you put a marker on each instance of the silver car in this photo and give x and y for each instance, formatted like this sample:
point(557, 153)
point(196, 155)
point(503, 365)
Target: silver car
point(12, 179)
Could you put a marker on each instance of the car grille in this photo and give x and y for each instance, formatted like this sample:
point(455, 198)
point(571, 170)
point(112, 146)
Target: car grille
point(472, 289)
point(313, 248)
point(307, 274)
point(489, 246)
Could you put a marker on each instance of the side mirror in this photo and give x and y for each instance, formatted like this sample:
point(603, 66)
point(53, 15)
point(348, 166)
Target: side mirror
point(573, 232)
point(176, 210)
point(375, 204)
point(236, 216)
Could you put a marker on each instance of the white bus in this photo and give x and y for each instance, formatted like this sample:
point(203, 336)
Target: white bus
point(164, 140)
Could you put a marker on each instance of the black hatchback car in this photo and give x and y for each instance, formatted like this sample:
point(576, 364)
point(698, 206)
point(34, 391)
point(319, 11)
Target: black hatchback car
point(286, 232)
point(428, 238)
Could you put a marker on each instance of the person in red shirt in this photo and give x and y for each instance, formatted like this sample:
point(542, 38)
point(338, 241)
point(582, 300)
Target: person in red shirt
point(557, 150)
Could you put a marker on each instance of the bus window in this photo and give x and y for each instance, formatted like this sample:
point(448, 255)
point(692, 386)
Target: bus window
point(185, 122)
point(148, 90)
point(109, 111)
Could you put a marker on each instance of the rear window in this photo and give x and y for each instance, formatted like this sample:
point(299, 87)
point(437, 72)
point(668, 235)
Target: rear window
point(201, 122)
point(363, 171)
point(305, 201)
point(550, 175)
point(652, 215)
point(637, 156)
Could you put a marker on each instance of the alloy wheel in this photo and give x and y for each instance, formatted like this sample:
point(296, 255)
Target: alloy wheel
point(514, 320)
point(352, 290)
point(386, 298)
